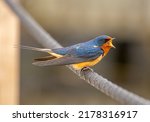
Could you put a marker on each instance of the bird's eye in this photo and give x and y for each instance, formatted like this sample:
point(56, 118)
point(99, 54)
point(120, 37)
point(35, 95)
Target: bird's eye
point(106, 40)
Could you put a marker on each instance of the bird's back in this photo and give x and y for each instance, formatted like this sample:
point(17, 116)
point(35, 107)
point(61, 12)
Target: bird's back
point(84, 49)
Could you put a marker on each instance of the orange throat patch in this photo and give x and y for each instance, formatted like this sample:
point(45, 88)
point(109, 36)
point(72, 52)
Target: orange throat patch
point(105, 48)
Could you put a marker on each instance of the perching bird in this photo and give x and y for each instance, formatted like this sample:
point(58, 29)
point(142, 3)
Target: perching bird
point(80, 55)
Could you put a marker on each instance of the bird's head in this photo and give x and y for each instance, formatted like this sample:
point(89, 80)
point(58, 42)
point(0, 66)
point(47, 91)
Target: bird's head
point(105, 42)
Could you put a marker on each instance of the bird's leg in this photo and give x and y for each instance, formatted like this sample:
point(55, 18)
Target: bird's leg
point(82, 71)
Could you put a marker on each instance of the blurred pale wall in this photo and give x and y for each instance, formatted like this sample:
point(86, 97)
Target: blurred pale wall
point(72, 21)
point(121, 17)
point(9, 56)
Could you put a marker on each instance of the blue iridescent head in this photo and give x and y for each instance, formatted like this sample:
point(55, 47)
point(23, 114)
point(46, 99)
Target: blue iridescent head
point(104, 39)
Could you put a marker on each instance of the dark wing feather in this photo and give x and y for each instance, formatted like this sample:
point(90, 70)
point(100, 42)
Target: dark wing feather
point(50, 57)
point(66, 60)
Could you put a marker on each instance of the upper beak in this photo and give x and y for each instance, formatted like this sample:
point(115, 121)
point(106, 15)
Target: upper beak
point(113, 38)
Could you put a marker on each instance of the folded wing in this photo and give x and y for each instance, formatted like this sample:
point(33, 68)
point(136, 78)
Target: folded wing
point(65, 60)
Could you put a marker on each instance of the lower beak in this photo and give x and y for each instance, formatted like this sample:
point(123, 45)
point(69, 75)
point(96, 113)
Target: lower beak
point(112, 44)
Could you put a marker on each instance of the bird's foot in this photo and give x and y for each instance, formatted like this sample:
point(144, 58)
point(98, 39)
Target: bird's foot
point(82, 71)
point(87, 69)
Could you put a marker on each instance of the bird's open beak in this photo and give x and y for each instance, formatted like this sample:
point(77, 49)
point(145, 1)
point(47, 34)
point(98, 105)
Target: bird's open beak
point(111, 43)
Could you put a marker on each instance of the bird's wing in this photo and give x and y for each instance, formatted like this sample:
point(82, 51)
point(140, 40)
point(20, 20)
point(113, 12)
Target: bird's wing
point(81, 50)
point(65, 60)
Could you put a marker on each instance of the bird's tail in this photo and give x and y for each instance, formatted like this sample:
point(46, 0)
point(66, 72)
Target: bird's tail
point(36, 49)
point(41, 61)
point(46, 58)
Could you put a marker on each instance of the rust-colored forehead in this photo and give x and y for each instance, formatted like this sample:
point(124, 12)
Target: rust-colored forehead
point(108, 38)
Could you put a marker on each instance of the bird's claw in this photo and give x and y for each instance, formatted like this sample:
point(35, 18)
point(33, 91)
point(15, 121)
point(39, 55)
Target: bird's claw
point(82, 71)
point(86, 69)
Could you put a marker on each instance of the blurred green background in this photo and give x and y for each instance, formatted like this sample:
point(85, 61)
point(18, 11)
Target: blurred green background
point(74, 21)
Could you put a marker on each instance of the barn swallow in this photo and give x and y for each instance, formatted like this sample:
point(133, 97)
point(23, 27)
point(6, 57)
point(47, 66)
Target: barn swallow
point(80, 55)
